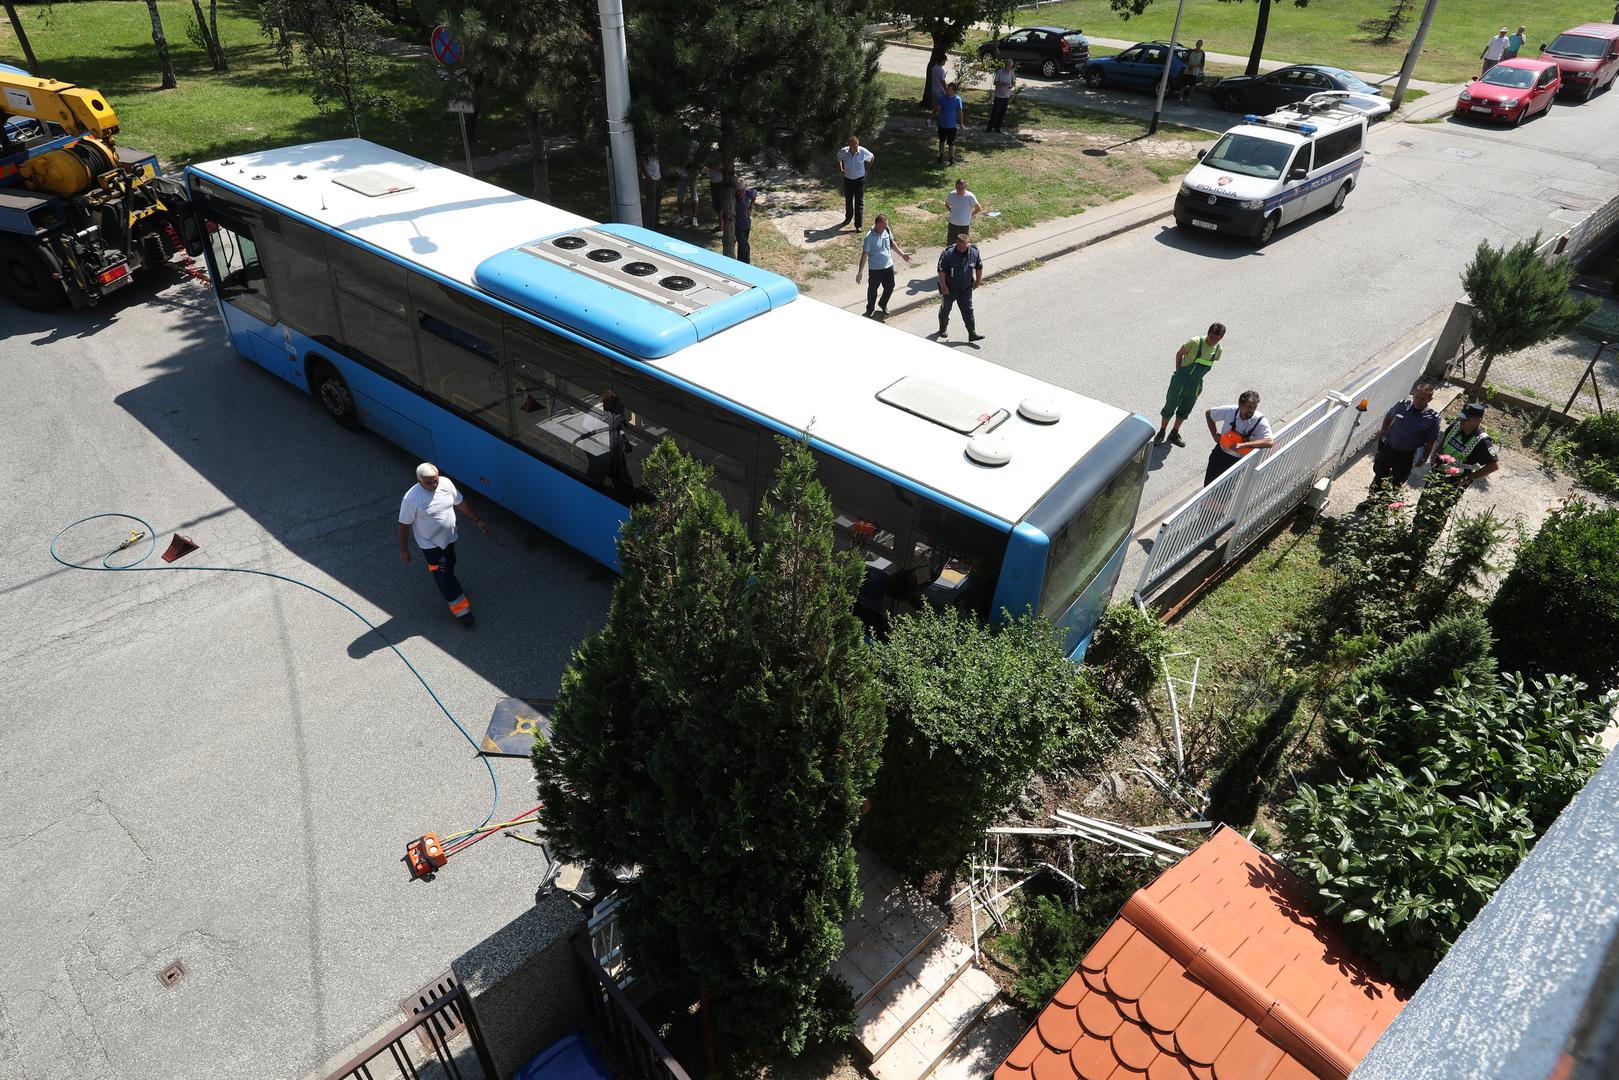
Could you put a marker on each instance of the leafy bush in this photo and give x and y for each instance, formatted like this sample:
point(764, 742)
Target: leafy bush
point(1455, 650)
point(1441, 802)
point(1249, 773)
point(973, 713)
point(1558, 609)
point(1053, 935)
point(1404, 865)
point(1591, 452)
point(1519, 299)
point(1126, 654)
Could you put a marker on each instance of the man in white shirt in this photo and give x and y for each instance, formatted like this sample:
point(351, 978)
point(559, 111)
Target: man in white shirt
point(1237, 431)
point(428, 512)
point(854, 162)
point(963, 206)
point(1495, 51)
point(1005, 82)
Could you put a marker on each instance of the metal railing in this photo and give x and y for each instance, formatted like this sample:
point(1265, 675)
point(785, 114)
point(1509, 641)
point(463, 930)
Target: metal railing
point(432, 1028)
point(1264, 487)
point(605, 943)
point(621, 1025)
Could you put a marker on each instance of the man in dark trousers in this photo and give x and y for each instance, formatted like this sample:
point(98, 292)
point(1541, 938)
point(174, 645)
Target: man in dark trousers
point(428, 512)
point(1237, 431)
point(745, 198)
point(1410, 428)
point(854, 162)
point(961, 270)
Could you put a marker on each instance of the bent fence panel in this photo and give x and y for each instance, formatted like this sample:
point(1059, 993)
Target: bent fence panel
point(1282, 480)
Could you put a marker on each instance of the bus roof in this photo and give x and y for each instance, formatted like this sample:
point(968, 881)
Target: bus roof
point(806, 365)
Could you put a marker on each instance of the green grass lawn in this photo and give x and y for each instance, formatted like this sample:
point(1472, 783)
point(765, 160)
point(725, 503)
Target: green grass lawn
point(107, 45)
point(1328, 31)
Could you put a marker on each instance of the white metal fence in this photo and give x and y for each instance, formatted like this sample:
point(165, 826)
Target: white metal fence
point(1267, 485)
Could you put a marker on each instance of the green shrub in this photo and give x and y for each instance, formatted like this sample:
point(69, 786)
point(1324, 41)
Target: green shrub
point(1558, 609)
point(1442, 802)
point(1249, 774)
point(1455, 650)
point(973, 713)
point(1126, 654)
point(1053, 935)
point(1591, 452)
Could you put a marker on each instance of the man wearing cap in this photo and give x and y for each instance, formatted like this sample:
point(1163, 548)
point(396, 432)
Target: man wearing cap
point(1494, 51)
point(1192, 361)
point(428, 511)
point(1236, 431)
point(1410, 427)
point(1470, 446)
point(960, 272)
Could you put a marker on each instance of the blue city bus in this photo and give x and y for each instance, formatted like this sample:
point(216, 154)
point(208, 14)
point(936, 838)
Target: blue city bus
point(537, 357)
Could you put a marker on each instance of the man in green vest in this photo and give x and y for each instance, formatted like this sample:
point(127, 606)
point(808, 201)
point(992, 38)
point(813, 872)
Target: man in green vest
point(1469, 446)
point(1192, 362)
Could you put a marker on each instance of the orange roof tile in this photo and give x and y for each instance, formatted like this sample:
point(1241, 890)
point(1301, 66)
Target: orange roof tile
point(1217, 970)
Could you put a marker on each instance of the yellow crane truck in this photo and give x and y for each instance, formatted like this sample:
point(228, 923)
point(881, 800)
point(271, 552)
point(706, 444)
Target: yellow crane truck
point(79, 214)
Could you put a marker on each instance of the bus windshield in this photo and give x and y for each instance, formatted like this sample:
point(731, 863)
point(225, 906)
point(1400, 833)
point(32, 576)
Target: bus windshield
point(1083, 546)
point(1249, 155)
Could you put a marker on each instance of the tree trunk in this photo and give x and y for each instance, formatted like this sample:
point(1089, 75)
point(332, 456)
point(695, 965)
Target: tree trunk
point(28, 50)
point(540, 156)
point(220, 64)
point(936, 57)
point(163, 62)
point(203, 32)
point(1261, 25)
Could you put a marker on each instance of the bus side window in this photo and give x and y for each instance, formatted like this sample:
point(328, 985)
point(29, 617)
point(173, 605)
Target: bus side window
point(870, 516)
point(237, 268)
point(954, 561)
point(371, 295)
point(300, 284)
point(653, 410)
point(557, 393)
point(458, 337)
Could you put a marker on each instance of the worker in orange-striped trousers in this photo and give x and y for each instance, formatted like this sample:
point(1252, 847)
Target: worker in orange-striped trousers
point(428, 512)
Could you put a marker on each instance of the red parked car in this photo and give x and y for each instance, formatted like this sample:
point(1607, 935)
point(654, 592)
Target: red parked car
point(1512, 90)
point(1588, 56)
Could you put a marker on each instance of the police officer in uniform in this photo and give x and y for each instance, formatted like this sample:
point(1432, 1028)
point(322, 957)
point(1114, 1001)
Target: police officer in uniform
point(1470, 445)
point(961, 270)
point(1411, 427)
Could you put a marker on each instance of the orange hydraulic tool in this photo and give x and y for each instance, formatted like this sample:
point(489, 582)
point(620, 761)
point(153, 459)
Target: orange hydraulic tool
point(424, 855)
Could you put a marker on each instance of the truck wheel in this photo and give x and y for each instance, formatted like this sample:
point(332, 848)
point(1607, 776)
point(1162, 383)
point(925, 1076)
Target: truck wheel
point(333, 393)
point(26, 278)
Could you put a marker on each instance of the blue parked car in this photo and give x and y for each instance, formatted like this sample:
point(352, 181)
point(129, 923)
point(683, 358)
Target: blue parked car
point(1140, 65)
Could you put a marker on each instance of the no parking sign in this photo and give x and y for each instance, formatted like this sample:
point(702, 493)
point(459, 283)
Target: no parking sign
point(446, 50)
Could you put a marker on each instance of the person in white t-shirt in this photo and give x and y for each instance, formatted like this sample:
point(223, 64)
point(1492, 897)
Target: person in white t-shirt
point(1237, 430)
point(854, 162)
point(1494, 50)
point(963, 206)
point(428, 512)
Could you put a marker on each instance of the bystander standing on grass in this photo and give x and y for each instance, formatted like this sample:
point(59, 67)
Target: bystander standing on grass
point(1005, 82)
point(947, 113)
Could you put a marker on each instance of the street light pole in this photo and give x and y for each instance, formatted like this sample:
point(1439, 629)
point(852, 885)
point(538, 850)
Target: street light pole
point(1413, 53)
point(620, 136)
point(1163, 79)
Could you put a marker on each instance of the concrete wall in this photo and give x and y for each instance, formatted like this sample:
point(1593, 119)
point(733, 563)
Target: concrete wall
point(524, 982)
point(1501, 1005)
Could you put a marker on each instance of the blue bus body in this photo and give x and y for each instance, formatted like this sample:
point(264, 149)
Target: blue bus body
point(585, 512)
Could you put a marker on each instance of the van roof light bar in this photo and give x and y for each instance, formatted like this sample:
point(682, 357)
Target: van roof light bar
point(1266, 121)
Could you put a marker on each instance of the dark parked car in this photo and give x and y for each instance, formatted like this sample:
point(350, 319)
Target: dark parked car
point(1267, 93)
point(1054, 50)
point(1140, 65)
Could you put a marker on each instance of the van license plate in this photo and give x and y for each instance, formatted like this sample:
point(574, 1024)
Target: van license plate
point(1204, 224)
point(1482, 109)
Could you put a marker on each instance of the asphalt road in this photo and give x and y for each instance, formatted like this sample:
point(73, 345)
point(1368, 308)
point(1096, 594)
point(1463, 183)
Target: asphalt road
point(221, 769)
point(1325, 298)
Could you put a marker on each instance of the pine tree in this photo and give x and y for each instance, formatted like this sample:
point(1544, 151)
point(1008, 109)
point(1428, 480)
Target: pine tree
point(720, 733)
point(1519, 299)
point(1384, 29)
point(786, 77)
point(340, 45)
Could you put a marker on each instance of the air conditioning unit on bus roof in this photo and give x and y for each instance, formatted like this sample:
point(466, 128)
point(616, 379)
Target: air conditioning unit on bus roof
point(625, 265)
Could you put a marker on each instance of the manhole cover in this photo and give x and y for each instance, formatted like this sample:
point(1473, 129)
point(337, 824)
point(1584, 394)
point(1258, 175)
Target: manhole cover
point(1457, 151)
point(447, 1023)
point(172, 975)
point(1404, 142)
point(1573, 217)
point(1568, 199)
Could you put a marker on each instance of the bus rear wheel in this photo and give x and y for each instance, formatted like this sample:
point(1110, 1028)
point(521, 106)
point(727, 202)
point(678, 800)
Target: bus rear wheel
point(333, 393)
point(25, 276)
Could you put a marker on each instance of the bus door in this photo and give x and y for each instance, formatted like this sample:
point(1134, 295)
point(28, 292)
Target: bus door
point(230, 231)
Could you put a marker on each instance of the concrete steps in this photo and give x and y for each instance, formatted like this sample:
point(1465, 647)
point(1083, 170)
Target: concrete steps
point(884, 1017)
point(931, 1037)
point(983, 1047)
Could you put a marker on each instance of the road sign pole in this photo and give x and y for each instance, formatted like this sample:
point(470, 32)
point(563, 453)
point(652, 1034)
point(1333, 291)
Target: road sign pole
point(1414, 52)
point(1163, 80)
point(466, 146)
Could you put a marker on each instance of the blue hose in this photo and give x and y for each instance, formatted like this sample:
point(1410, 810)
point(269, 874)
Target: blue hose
point(151, 545)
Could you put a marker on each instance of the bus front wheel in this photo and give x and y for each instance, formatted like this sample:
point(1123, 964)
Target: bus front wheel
point(333, 392)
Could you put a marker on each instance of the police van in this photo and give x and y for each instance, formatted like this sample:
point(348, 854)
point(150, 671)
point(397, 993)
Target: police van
point(1270, 171)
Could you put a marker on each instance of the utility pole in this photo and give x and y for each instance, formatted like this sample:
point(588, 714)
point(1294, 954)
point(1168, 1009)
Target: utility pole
point(1163, 79)
point(1413, 53)
point(626, 174)
point(33, 64)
